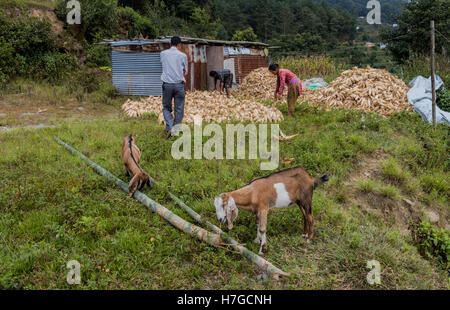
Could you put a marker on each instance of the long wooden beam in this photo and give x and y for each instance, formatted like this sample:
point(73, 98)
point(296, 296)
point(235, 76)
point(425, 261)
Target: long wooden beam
point(166, 214)
point(181, 224)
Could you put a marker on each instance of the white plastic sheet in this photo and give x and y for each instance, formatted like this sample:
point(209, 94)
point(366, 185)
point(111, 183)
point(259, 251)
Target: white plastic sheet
point(421, 98)
point(314, 83)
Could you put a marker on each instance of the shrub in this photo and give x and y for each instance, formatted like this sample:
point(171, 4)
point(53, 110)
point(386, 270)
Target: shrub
point(368, 186)
point(54, 66)
point(135, 24)
point(244, 35)
point(27, 49)
point(7, 61)
point(394, 172)
point(98, 55)
point(389, 191)
point(99, 18)
point(437, 181)
point(87, 80)
point(432, 242)
point(443, 100)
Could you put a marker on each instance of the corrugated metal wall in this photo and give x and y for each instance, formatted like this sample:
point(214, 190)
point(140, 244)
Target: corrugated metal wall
point(196, 77)
point(136, 73)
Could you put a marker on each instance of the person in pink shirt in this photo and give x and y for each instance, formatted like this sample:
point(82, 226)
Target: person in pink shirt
point(284, 76)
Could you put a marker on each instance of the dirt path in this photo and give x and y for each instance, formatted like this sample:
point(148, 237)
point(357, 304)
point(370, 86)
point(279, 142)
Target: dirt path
point(20, 111)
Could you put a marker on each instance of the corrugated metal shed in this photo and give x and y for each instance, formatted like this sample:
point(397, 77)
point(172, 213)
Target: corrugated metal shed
point(136, 66)
point(136, 73)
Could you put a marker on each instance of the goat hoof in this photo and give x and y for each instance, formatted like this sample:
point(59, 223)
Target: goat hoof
point(261, 253)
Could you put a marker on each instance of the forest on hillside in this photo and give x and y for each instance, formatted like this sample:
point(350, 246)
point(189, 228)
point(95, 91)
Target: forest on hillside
point(390, 9)
point(268, 18)
point(295, 27)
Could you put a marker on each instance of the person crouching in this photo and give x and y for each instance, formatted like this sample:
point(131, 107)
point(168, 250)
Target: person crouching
point(226, 80)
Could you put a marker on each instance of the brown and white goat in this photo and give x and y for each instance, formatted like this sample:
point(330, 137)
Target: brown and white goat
point(131, 156)
point(278, 190)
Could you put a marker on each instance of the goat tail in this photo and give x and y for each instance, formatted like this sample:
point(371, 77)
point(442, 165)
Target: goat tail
point(318, 181)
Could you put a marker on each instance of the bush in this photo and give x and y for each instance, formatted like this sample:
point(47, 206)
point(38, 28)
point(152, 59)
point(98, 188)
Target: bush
point(392, 170)
point(98, 55)
point(86, 80)
point(27, 49)
point(443, 100)
point(432, 242)
point(436, 181)
point(7, 61)
point(244, 35)
point(98, 18)
point(135, 24)
point(54, 67)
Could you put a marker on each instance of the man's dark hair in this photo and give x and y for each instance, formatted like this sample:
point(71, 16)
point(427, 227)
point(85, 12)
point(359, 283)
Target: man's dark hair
point(212, 73)
point(274, 67)
point(174, 41)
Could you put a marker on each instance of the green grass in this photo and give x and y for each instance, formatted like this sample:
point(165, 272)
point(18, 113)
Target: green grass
point(392, 171)
point(55, 209)
point(371, 186)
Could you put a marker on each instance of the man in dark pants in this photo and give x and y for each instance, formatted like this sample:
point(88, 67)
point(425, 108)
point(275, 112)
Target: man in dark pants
point(174, 66)
point(226, 80)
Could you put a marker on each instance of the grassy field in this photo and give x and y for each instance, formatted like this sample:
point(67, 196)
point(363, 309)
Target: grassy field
point(55, 209)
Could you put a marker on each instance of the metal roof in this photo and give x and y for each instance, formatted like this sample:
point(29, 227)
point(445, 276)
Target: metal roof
point(215, 42)
point(186, 40)
point(125, 43)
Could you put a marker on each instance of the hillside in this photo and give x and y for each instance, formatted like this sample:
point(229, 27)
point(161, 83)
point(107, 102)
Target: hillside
point(390, 9)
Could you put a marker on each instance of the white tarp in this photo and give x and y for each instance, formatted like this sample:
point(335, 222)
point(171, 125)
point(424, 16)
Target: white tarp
point(314, 83)
point(420, 97)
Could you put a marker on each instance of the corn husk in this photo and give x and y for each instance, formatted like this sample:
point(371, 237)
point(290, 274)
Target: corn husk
point(287, 161)
point(369, 90)
point(259, 84)
point(284, 137)
point(210, 106)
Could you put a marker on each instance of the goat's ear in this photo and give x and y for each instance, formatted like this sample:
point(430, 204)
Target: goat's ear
point(218, 203)
point(232, 212)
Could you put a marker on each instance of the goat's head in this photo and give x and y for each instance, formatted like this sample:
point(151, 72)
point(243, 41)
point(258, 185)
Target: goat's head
point(138, 182)
point(226, 209)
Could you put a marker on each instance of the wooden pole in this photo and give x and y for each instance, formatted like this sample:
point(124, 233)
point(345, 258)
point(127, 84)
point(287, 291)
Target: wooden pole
point(181, 224)
point(433, 81)
point(166, 214)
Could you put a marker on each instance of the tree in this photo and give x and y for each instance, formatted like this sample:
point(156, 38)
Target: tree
point(413, 32)
point(202, 24)
point(98, 19)
point(244, 35)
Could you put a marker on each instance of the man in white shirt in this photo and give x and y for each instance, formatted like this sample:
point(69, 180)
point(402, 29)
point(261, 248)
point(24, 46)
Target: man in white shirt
point(175, 67)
